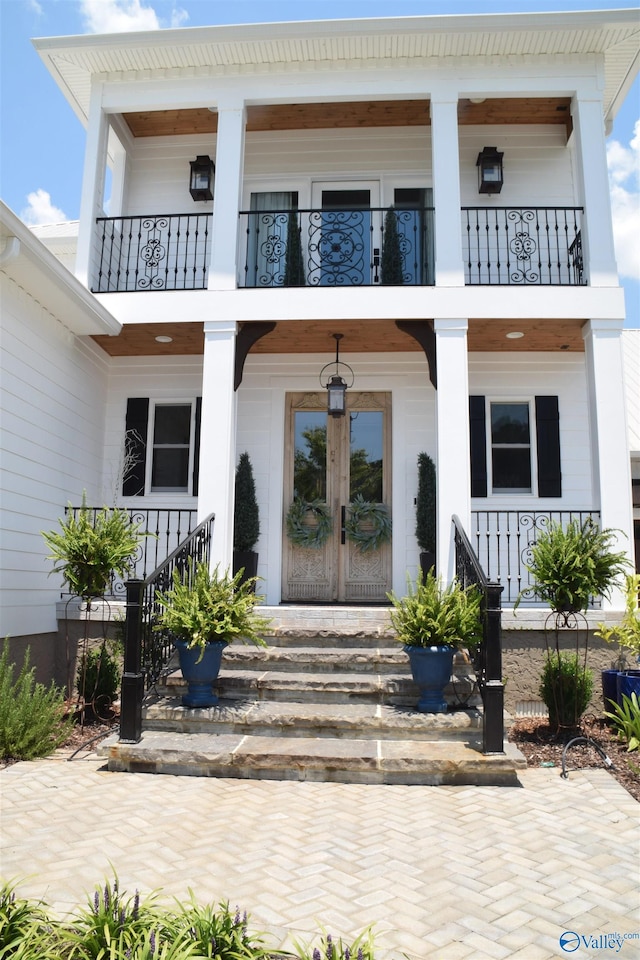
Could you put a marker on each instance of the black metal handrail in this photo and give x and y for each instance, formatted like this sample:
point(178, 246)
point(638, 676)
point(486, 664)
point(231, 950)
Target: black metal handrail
point(523, 246)
point(338, 248)
point(154, 252)
point(147, 651)
point(488, 657)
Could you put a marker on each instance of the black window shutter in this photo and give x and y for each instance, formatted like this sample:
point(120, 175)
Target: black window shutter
point(478, 443)
point(196, 448)
point(136, 443)
point(548, 437)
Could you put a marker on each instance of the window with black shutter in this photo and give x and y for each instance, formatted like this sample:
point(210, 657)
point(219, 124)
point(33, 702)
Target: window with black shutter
point(162, 442)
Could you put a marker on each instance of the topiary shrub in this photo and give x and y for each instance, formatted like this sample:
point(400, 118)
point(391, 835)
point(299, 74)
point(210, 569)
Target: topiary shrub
point(246, 527)
point(566, 688)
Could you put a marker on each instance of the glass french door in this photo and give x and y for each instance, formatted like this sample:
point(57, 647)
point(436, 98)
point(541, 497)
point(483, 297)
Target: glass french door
point(341, 231)
point(332, 461)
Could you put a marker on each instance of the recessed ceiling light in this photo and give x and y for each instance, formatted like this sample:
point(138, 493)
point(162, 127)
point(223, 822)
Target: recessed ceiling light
point(514, 335)
point(164, 339)
point(477, 99)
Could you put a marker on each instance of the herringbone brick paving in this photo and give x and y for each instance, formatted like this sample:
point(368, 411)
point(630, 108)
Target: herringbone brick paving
point(443, 873)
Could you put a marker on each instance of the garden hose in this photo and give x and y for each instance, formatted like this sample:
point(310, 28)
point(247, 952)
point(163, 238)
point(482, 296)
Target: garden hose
point(605, 759)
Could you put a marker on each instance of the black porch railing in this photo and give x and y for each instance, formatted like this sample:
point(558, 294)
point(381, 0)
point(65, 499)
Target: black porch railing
point(147, 651)
point(523, 246)
point(168, 528)
point(488, 657)
point(503, 539)
point(338, 248)
point(155, 252)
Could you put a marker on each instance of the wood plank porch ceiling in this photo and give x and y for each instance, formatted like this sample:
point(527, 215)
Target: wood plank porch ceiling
point(374, 336)
point(372, 113)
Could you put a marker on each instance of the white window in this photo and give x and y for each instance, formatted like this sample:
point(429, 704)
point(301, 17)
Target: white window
point(511, 447)
point(171, 428)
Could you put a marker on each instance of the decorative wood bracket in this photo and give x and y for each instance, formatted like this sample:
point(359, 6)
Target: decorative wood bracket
point(422, 331)
point(246, 336)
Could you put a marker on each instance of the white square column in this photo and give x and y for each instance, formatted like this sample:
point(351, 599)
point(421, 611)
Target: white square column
point(609, 445)
point(597, 239)
point(223, 272)
point(216, 486)
point(449, 267)
point(452, 426)
point(93, 180)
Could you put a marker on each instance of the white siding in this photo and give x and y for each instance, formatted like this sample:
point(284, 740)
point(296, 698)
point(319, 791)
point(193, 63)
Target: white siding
point(53, 392)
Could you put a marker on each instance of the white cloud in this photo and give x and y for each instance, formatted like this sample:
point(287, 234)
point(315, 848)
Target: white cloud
point(624, 181)
point(120, 16)
point(40, 210)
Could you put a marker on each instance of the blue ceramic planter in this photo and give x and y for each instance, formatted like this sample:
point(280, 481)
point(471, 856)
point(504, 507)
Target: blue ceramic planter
point(431, 668)
point(200, 676)
point(628, 683)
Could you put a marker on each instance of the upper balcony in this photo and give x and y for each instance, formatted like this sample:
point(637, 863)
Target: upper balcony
point(342, 246)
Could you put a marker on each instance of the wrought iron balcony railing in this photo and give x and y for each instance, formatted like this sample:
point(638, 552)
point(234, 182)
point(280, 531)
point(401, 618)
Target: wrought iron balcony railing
point(523, 246)
point(152, 253)
point(338, 248)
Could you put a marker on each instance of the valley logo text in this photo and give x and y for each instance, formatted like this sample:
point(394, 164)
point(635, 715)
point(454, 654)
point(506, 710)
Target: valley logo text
point(571, 941)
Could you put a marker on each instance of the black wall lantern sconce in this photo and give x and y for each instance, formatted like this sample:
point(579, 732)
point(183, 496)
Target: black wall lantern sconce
point(335, 385)
point(201, 181)
point(489, 164)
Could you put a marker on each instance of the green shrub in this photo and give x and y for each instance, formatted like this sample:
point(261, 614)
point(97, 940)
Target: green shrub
point(98, 679)
point(21, 926)
point(32, 721)
point(626, 720)
point(215, 931)
point(362, 948)
point(566, 688)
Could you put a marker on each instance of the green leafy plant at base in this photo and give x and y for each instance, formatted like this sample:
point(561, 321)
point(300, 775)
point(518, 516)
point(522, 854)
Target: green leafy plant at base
point(22, 926)
point(433, 615)
point(88, 549)
point(627, 632)
point(215, 931)
point(32, 721)
point(330, 948)
point(202, 606)
point(569, 566)
point(98, 679)
point(566, 688)
point(625, 717)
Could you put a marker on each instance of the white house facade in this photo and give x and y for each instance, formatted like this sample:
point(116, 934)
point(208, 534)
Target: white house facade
point(467, 154)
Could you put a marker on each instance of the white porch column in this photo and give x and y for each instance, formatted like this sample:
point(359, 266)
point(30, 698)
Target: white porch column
point(218, 437)
point(609, 444)
point(93, 177)
point(598, 249)
point(227, 194)
point(452, 426)
point(449, 268)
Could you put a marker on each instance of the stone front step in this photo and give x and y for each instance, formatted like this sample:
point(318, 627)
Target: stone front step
point(344, 720)
point(313, 758)
point(324, 657)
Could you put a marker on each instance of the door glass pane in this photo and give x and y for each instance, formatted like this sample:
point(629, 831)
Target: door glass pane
point(267, 237)
point(345, 239)
point(415, 233)
point(365, 455)
point(310, 455)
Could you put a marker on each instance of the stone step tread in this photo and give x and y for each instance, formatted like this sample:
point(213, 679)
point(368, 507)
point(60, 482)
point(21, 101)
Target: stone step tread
point(309, 758)
point(274, 718)
point(312, 654)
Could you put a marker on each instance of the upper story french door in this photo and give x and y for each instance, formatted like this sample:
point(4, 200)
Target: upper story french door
point(342, 225)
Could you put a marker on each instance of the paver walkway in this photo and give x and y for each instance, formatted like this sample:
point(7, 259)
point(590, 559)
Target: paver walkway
point(442, 872)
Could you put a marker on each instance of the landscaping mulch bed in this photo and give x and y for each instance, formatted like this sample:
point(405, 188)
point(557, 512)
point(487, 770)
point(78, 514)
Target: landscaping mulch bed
point(543, 746)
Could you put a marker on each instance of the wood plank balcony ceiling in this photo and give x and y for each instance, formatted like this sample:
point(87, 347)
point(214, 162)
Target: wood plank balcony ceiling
point(372, 113)
point(374, 336)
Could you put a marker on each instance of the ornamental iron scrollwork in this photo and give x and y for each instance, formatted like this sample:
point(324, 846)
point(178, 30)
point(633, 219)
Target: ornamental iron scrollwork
point(524, 247)
point(153, 252)
point(338, 240)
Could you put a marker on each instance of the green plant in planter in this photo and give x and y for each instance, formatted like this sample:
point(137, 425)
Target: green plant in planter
point(626, 720)
point(391, 260)
point(566, 688)
point(627, 632)
point(204, 606)
point(426, 511)
point(88, 550)
point(434, 615)
point(571, 565)
point(246, 524)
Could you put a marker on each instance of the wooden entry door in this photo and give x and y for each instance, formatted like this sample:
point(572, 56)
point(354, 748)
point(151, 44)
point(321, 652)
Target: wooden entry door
point(333, 460)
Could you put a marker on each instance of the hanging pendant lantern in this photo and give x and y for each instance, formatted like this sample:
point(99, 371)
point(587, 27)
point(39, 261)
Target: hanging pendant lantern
point(335, 384)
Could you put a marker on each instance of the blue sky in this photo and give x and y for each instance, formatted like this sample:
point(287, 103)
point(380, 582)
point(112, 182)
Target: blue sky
point(42, 142)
